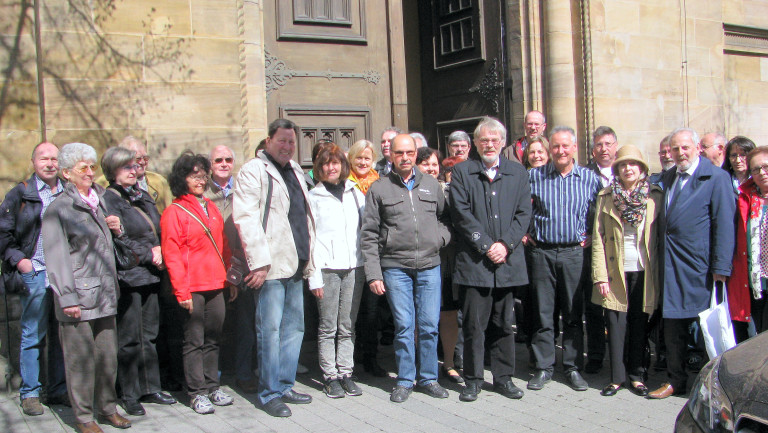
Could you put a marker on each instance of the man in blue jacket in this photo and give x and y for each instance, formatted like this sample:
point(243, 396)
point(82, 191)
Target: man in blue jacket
point(698, 235)
point(490, 211)
point(24, 272)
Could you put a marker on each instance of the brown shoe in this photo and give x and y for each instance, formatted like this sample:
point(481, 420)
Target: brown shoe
point(116, 420)
point(31, 406)
point(88, 427)
point(664, 391)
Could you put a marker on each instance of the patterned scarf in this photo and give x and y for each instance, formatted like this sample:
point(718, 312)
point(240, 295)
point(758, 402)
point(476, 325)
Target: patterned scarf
point(631, 204)
point(365, 182)
point(92, 200)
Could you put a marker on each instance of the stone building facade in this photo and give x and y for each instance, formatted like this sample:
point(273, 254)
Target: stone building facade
point(197, 73)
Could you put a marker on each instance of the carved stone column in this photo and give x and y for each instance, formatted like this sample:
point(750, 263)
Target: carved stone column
point(560, 63)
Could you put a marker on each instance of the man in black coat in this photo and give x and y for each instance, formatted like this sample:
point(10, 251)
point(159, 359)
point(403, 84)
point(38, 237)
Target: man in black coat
point(490, 209)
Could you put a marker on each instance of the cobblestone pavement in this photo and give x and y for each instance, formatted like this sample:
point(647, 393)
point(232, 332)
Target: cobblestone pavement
point(556, 408)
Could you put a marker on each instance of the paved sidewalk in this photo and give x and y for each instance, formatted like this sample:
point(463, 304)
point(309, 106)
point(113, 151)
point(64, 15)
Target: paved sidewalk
point(556, 408)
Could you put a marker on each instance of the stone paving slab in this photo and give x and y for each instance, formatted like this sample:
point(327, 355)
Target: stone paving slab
point(556, 408)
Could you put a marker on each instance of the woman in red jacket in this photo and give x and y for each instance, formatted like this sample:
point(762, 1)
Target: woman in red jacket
point(747, 284)
point(196, 254)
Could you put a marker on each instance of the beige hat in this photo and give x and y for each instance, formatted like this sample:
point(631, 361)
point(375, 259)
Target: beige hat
point(628, 153)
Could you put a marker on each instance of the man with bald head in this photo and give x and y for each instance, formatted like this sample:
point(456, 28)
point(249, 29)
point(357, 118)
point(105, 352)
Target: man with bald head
point(404, 227)
point(24, 273)
point(713, 148)
point(535, 125)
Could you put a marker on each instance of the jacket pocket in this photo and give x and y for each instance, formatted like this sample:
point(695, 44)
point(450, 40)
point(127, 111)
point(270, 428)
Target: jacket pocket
point(428, 201)
point(88, 292)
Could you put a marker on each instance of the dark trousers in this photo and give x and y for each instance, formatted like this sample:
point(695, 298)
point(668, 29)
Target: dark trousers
point(491, 309)
point(677, 335)
point(90, 361)
point(629, 327)
point(367, 325)
point(202, 329)
point(170, 338)
point(556, 276)
point(594, 315)
point(138, 320)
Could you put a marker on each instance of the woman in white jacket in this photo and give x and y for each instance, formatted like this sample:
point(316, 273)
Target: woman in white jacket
point(338, 280)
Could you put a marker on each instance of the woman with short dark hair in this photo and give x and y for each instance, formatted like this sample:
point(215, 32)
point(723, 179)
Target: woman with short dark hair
point(338, 280)
point(196, 254)
point(736, 160)
point(138, 311)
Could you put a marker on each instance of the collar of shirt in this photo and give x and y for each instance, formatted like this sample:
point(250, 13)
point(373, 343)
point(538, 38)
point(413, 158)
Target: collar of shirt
point(285, 167)
point(227, 188)
point(411, 180)
point(551, 171)
point(606, 175)
point(42, 185)
point(492, 170)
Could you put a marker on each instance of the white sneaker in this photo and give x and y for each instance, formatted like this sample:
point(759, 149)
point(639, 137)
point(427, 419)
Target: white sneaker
point(220, 398)
point(202, 405)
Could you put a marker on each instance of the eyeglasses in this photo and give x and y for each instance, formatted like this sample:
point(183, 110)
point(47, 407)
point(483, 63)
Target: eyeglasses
point(736, 156)
point(220, 160)
point(198, 178)
point(489, 140)
point(84, 169)
point(404, 152)
point(131, 167)
point(755, 171)
point(144, 158)
point(605, 144)
point(460, 145)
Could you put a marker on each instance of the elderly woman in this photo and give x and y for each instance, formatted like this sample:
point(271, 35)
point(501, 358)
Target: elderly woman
point(625, 263)
point(748, 282)
point(81, 269)
point(339, 278)
point(361, 157)
point(536, 153)
point(736, 160)
point(197, 256)
point(138, 310)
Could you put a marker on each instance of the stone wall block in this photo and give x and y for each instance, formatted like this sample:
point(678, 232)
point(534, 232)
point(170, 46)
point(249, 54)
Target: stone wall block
point(16, 153)
point(194, 60)
point(214, 18)
point(92, 56)
point(622, 17)
point(91, 104)
point(617, 82)
point(167, 17)
point(193, 106)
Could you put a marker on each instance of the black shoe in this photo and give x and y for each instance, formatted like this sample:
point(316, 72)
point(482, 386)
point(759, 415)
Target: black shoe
point(433, 389)
point(294, 397)
point(157, 398)
point(508, 389)
point(610, 390)
point(577, 382)
point(640, 389)
point(469, 393)
point(593, 366)
point(458, 362)
point(350, 387)
point(276, 407)
point(333, 389)
point(133, 407)
point(374, 369)
point(400, 394)
point(539, 379)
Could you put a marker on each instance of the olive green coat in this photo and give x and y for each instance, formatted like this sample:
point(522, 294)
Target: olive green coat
point(608, 251)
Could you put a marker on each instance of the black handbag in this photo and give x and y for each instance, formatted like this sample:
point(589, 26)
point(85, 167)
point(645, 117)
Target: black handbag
point(125, 258)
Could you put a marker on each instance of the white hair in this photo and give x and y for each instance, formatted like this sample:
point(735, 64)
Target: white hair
point(72, 153)
point(418, 136)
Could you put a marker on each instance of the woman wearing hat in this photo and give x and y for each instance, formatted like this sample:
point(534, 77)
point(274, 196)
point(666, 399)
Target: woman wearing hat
point(623, 267)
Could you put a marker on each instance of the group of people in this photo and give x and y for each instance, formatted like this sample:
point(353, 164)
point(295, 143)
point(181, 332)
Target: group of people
point(466, 249)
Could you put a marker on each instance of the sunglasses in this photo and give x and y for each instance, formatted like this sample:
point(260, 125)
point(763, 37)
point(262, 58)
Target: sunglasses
point(84, 169)
point(220, 160)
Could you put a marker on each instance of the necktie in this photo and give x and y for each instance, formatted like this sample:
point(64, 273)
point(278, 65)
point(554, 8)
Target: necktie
point(681, 177)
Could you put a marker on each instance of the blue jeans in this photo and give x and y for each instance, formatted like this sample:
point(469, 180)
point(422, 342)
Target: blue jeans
point(35, 310)
point(414, 296)
point(279, 333)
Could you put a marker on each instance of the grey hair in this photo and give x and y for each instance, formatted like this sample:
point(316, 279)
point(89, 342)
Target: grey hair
point(559, 129)
point(719, 138)
point(394, 129)
point(72, 153)
point(113, 159)
point(419, 136)
point(229, 149)
point(694, 135)
point(358, 148)
point(491, 124)
point(459, 136)
point(665, 141)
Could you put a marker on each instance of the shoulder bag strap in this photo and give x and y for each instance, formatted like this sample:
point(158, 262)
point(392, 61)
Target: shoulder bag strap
point(359, 212)
point(268, 204)
point(206, 230)
point(141, 212)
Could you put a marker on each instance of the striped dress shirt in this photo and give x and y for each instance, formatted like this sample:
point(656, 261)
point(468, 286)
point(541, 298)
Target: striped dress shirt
point(563, 206)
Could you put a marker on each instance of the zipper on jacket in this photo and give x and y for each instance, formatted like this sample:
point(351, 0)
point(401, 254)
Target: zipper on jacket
point(416, 229)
